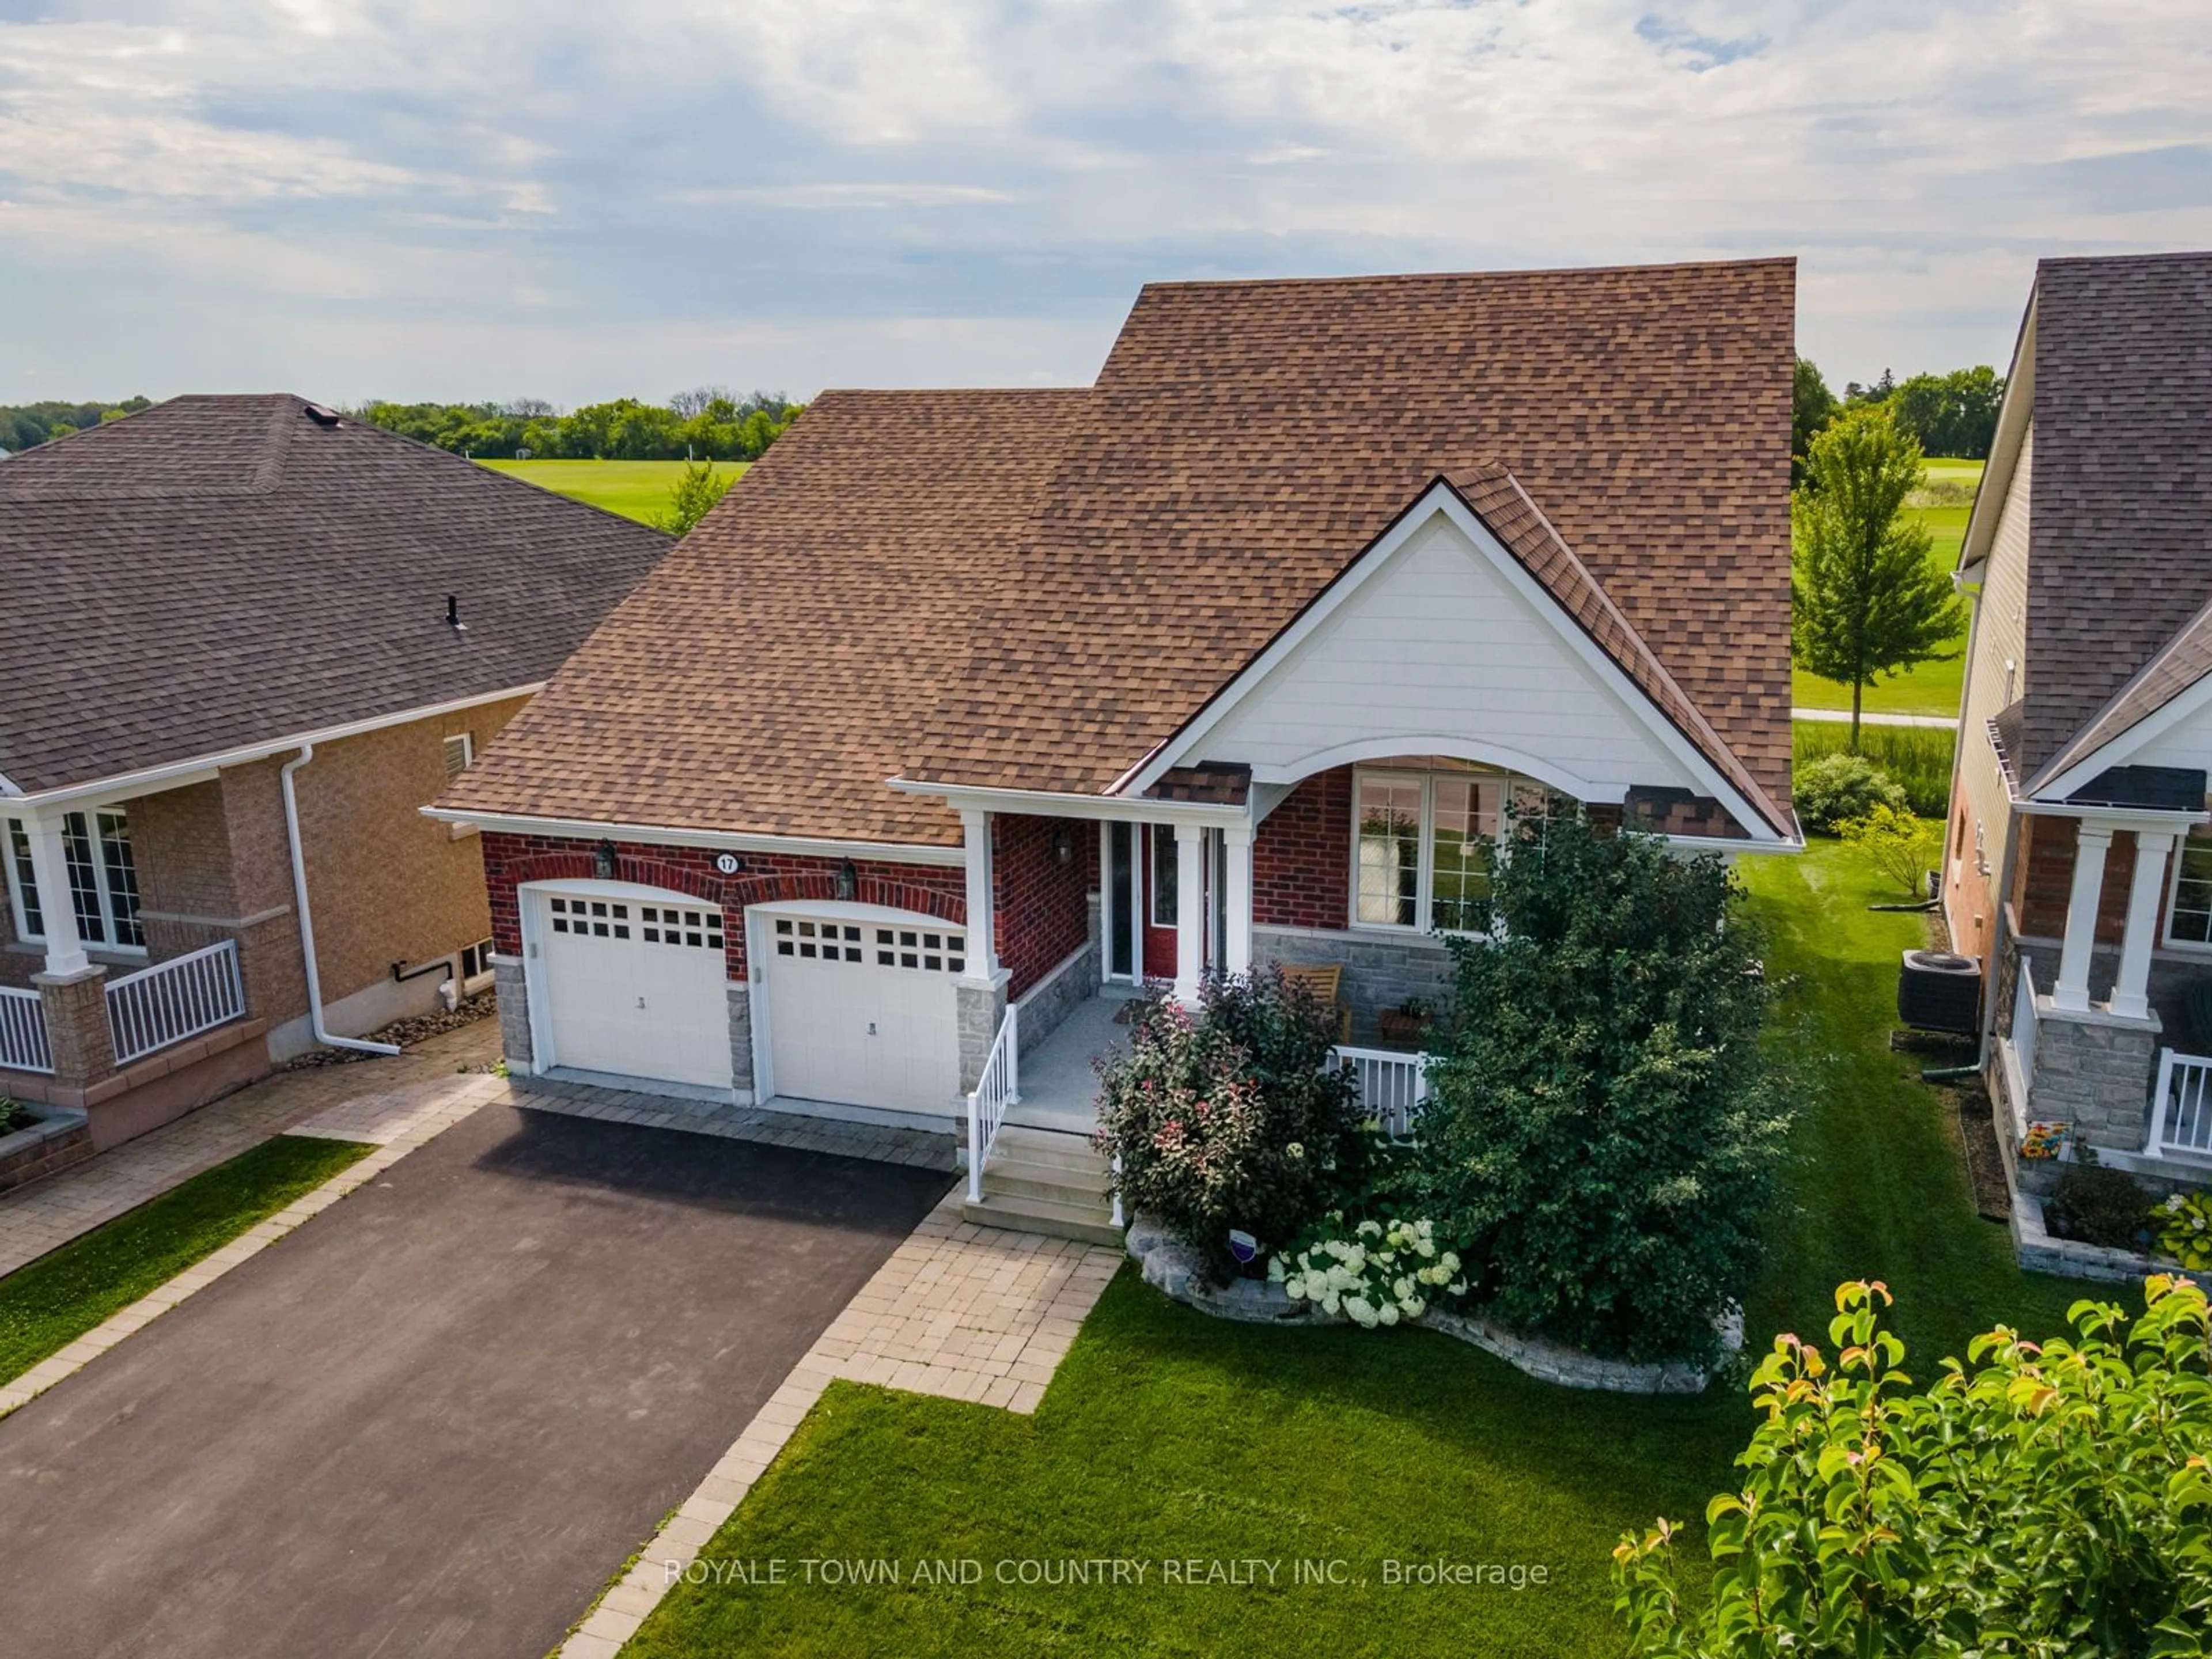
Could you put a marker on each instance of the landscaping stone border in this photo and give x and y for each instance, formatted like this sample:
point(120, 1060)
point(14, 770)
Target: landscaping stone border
point(58, 1137)
point(1177, 1271)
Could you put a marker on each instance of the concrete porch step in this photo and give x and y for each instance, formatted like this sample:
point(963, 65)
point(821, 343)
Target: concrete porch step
point(1088, 1223)
point(1056, 1181)
point(1047, 1147)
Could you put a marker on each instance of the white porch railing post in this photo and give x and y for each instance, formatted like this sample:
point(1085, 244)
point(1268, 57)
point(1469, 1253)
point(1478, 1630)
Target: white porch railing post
point(1119, 1219)
point(1236, 953)
point(1013, 1053)
point(1190, 910)
point(2161, 1092)
point(57, 900)
point(975, 1146)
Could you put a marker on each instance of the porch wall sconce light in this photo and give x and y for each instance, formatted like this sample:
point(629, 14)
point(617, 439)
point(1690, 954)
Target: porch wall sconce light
point(603, 860)
point(848, 880)
point(1063, 845)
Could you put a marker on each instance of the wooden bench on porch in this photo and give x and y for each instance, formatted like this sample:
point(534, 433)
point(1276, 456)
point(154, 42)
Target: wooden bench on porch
point(1325, 984)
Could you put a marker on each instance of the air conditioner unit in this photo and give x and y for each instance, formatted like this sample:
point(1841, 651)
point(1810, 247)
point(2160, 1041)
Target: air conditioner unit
point(1939, 991)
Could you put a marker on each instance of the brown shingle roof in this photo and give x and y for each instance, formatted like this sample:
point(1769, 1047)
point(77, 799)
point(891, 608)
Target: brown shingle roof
point(219, 571)
point(2120, 496)
point(782, 661)
point(1035, 589)
point(1249, 438)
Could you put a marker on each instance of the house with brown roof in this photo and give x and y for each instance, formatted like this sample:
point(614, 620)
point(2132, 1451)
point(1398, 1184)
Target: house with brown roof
point(2079, 863)
point(246, 640)
point(965, 712)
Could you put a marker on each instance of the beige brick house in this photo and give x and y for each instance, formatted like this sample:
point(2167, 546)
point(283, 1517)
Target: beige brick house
point(246, 641)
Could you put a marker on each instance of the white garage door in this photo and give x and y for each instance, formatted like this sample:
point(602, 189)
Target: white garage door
point(636, 987)
point(862, 1011)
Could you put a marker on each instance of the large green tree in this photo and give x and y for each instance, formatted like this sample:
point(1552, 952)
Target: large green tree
point(1811, 406)
point(1868, 600)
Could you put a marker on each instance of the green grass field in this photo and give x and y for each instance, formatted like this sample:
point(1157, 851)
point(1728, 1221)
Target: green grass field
point(1932, 688)
point(636, 490)
point(48, 1303)
point(1167, 1435)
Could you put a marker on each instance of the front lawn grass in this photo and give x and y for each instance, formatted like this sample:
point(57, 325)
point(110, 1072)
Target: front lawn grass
point(1167, 1435)
point(636, 490)
point(46, 1304)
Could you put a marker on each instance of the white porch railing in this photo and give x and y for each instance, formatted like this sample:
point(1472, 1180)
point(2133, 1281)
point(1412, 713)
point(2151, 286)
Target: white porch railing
point(1393, 1084)
point(173, 1000)
point(2023, 1020)
point(2181, 1106)
point(996, 1089)
point(23, 1046)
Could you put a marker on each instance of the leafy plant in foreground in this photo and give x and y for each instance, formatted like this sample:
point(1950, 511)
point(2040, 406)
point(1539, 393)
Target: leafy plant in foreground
point(2045, 1500)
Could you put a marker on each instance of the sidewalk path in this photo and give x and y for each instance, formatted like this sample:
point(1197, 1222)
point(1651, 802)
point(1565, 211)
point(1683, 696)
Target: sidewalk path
point(1929, 720)
point(46, 1214)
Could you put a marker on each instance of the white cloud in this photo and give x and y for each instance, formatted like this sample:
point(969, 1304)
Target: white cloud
point(972, 190)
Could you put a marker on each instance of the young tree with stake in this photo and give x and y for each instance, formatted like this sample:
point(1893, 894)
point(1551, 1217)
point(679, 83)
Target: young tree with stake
point(1866, 600)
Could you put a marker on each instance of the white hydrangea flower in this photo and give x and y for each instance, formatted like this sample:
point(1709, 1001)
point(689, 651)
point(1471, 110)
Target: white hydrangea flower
point(1425, 1245)
point(1402, 1289)
point(1275, 1272)
point(1415, 1308)
point(1330, 1303)
point(1450, 1261)
point(1387, 1314)
point(1361, 1311)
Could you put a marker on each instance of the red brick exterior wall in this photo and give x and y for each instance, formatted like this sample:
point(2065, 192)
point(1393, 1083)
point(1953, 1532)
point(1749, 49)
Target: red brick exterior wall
point(1043, 906)
point(2044, 880)
point(938, 891)
point(1302, 857)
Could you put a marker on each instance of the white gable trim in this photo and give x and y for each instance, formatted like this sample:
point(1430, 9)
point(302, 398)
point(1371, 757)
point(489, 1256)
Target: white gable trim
point(1541, 768)
point(1188, 745)
point(2015, 414)
point(2187, 705)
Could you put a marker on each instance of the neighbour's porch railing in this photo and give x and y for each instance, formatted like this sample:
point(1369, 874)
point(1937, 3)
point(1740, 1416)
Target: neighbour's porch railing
point(173, 1000)
point(1393, 1086)
point(2181, 1106)
point(996, 1089)
point(23, 1046)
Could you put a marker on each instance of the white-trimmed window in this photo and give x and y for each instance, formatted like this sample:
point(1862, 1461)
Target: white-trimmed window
point(102, 877)
point(1423, 834)
point(2189, 908)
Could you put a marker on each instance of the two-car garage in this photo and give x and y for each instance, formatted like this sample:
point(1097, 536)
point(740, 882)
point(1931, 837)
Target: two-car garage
point(850, 1005)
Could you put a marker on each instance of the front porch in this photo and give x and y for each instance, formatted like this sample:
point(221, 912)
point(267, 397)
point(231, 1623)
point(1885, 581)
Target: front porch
point(2100, 1011)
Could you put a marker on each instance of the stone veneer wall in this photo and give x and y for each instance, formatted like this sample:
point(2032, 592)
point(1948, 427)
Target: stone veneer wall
point(1056, 996)
point(1380, 970)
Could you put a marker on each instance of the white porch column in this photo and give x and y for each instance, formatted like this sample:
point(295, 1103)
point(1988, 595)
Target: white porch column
point(983, 929)
point(2130, 991)
point(1190, 910)
point(2072, 990)
point(1237, 948)
point(49, 866)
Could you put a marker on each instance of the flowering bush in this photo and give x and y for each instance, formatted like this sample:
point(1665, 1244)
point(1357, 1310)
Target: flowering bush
point(1234, 1117)
point(2184, 1224)
point(1376, 1272)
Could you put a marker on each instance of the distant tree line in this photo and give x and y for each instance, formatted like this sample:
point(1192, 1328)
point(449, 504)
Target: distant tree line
point(22, 425)
point(708, 424)
point(1947, 414)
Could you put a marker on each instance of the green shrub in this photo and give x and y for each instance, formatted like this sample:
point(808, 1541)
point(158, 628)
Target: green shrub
point(14, 1115)
point(2045, 1499)
point(1235, 1117)
point(1839, 789)
point(1916, 758)
point(1602, 1135)
point(2184, 1228)
point(2099, 1205)
point(1894, 844)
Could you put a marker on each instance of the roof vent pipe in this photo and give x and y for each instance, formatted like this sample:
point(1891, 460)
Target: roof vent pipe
point(306, 918)
point(454, 614)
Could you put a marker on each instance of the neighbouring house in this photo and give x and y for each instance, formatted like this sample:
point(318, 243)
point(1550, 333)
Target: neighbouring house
point(2079, 865)
point(246, 640)
point(964, 709)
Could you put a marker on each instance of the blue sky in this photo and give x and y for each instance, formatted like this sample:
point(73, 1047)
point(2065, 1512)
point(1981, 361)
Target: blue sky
point(574, 201)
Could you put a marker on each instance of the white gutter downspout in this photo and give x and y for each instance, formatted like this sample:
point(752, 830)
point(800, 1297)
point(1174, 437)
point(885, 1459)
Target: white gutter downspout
point(307, 919)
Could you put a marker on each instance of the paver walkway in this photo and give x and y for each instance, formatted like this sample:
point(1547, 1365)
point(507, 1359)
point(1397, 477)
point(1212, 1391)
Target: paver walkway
point(972, 1313)
point(763, 1125)
point(48, 1213)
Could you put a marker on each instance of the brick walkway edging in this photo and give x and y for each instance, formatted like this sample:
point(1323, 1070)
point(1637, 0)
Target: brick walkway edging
point(970, 1313)
point(412, 1129)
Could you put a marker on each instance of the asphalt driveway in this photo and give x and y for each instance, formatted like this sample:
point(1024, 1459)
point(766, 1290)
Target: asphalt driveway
point(436, 1419)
